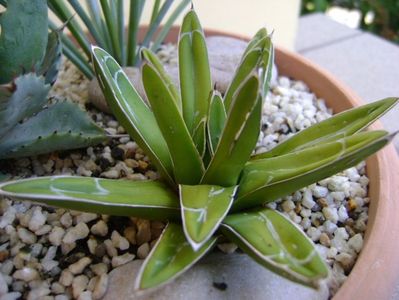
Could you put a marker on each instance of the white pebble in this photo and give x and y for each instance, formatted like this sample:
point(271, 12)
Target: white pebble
point(122, 259)
point(56, 235)
point(26, 274)
point(8, 217)
point(3, 285)
point(61, 297)
point(111, 250)
point(330, 213)
point(314, 233)
point(143, 250)
point(79, 266)
point(101, 287)
point(307, 199)
point(100, 228)
point(99, 269)
point(37, 220)
point(66, 278)
point(342, 214)
point(320, 191)
point(78, 232)
point(26, 236)
point(119, 241)
point(11, 296)
point(85, 217)
point(79, 284)
point(356, 242)
point(38, 293)
point(92, 245)
point(48, 265)
point(66, 220)
point(50, 254)
point(329, 227)
point(86, 295)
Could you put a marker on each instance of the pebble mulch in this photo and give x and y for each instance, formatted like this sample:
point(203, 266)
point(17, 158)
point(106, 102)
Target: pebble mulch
point(49, 253)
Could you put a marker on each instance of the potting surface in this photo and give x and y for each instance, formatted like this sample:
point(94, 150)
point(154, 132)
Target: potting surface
point(369, 65)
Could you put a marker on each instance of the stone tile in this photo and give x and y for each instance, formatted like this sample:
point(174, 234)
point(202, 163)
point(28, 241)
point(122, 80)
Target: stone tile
point(318, 30)
point(367, 64)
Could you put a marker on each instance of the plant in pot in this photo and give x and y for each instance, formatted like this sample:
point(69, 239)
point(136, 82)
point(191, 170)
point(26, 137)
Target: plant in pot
point(201, 143)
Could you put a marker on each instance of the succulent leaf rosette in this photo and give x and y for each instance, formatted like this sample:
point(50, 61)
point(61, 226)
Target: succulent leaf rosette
point(201, 143)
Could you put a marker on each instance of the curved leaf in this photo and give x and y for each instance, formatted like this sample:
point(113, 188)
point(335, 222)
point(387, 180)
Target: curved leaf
point(216, 121)
point(276, 243)
point(239, 136)
point(268, 179)
point(171, 256)
point(334, 128)
point(132, 112)
point(144, 199)
point(51, 63)
point(203, 207)
point(187, 163)
point(194, 72)
point(50, 130)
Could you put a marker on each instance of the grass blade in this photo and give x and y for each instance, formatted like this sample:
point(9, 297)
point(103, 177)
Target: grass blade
point(268, 179)
point(144, 199)
point(136, 9)
point(187, 163)
point(334, 128)
point(133, 113)
point(275, 242)
point(203, 208)
point(111, 22)
point(171, 256)
point(239, 136)
point(121, 30)
point(98, 21)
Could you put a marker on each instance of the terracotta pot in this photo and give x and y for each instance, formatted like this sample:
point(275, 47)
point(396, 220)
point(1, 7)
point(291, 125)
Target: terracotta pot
point(376, 272)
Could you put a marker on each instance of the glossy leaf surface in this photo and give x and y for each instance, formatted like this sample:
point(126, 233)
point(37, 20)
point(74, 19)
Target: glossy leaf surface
point(276, 243)
point(171, 256)
point(334, 128)
point(132, 112)
point(239, 136)
point(203, 207)
point(144, 199)
point(187, 163)
point(267, 180)
point(216, 121)
point(194, 72)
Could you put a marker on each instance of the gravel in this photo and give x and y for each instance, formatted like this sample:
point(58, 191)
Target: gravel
point(62, 254)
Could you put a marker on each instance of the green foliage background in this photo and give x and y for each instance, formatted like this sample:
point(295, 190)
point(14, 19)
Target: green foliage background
point(386, 14)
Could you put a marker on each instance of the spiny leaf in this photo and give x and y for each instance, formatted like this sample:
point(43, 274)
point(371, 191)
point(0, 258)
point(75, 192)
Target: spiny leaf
point(187, 163)
point(132, 112)
point(51, 129)
point(276, 243)
point(239, 136)
point(171, 256)
point(194, 72)
point(216, 121)
point(203, 207)
point(144, 199)
point(25, 98)
point(51, 63)
point(334, 128)
point(23, 39)
point(268, 179)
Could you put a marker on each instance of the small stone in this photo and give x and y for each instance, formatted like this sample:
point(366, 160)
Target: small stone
point(79, 284)
point(143, 250)
point(325, 240)
point(62, 297)
point(56, 235)
point(48, 265)
point(85, 217)
point(3, 285)
point(119, 241)
point(37, 220)
point(122, 259)
point(118, 153)
point(78, 267)
point(66, 248)
point(288, 205)
point(314, 233)
point(346, 260)
point(99, 269)
point(307, 199)
point(100, 287)
point(320, 191)
point(43, 230)
point(330, 213)
point(26, 274)
point(66, 278)
point(100, 228)
point(130, 234)
point(92, 245)
point(78, 232)
point(100, 250)
point(143, 234)
point(112, 174)
point(356, 242)
point(86, 295)
point(26, 236)
point(111, 250)
point(66, 220)
point(227, 248)
point(131, 163)
point(11, 296)
point(38, 293)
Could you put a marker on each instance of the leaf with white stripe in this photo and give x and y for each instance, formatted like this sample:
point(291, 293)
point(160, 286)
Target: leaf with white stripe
point(203, 207)
point(275, 242)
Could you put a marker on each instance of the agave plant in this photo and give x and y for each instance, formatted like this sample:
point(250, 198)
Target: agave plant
point(29, 62)
point(201, 143)
point(105, 22)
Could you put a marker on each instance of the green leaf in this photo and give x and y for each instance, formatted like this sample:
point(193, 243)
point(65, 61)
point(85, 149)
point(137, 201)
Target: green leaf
point(153, 59)
point(257, 56)
point(187, 163)
point(132, 112)
point(171, 256)
point(239, 136)
point(144, 199)
point(51, 63)
point(268, 179)
point(276, 243)
point(216, 121)
point(334, 128)
point(203, 207)
point(136, 10)
point(23, 37)
point(51, 129)
point(194, 72)
point(27, 97)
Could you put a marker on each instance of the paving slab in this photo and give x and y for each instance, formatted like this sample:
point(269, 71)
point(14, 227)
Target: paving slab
point(369, 65)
